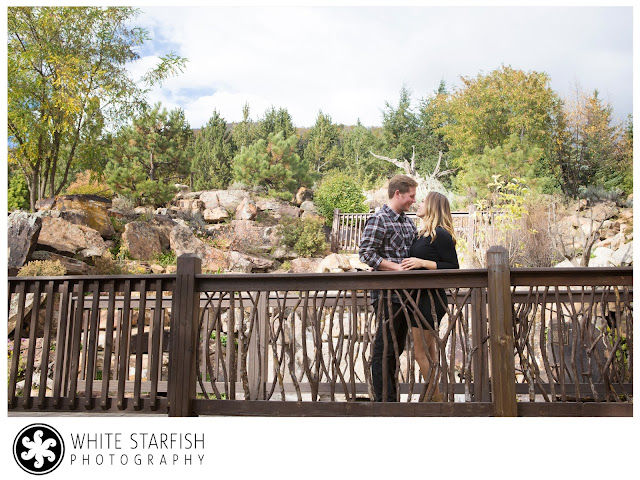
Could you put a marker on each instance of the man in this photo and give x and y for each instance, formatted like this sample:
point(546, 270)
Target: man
point(386, 240)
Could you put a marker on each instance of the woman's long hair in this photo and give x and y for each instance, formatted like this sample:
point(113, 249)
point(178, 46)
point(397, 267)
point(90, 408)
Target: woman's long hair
point(438, 214)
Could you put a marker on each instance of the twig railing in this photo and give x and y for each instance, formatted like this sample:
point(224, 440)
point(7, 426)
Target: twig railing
point(300, 344)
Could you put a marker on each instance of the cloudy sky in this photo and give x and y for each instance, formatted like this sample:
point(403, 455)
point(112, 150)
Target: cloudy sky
point(349, 61)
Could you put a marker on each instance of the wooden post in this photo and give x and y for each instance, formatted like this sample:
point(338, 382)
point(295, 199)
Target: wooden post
point(481, 354)
point(335, 232)
point(503, 388)
point(185, 308)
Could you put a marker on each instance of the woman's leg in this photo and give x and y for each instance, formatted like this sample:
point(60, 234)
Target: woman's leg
point(424, 341)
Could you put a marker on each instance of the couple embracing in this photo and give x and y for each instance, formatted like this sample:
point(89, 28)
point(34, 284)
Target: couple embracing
point(391, 241)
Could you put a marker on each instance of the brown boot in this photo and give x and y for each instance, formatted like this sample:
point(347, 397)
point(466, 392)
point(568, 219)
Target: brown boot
point(437, 397)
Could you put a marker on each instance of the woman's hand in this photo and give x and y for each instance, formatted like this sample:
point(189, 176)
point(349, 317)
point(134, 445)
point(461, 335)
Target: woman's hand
point(412, 263)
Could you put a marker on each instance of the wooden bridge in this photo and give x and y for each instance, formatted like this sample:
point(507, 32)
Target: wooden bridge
point(526, 342)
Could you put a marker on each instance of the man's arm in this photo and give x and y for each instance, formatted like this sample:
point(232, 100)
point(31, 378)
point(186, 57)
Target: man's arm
point(371, 244)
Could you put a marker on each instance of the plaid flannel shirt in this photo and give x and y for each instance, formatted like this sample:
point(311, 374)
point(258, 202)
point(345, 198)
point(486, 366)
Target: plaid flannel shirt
point(386, 236)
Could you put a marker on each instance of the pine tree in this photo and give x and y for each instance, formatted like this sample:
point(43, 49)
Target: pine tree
point(322, 150)
point(150, 156)
point(212, 155)
point(272, 164)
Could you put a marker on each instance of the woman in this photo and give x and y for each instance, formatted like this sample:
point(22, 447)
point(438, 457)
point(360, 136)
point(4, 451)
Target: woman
point(433, 249)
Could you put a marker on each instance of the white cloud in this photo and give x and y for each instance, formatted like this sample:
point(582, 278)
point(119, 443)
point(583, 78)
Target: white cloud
point(349, 61)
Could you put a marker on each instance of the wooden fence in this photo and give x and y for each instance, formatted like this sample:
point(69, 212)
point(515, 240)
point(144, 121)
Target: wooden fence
point(346, 230)
point(513, 342)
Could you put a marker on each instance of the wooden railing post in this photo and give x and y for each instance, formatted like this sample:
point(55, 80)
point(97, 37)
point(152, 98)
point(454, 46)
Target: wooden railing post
point(503, 389)
point(185, 308)
point(335, 232)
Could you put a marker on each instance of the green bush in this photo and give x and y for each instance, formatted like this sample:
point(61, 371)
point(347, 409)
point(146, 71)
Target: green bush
point(338, 190)
point(42, 268)
point(17, 193)
point(305, 236)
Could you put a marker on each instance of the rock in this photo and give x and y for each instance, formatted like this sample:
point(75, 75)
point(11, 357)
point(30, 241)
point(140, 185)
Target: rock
point(246, 210)
point(183, 241)
point(89, 210)
point(71, 265)
point(565, 264)
point(614, 242)
point(334, 262)
point(157, 269)
point(623, 256)
point(356, 264)
point(308, 206)
point(13, 310)
point(45, 203)
point(163, 225)
point(283, 253)
point(305, 265)
point(603, 211)
point(215, 215)
point(239, 263)
point(277, 209)
point(601, 257)
point(227, 199)
point(141, 240)
point(303, 195)
point(626, 214)
point(63, 236)
point(23, 231)
point(191, 205)
point(143, 211)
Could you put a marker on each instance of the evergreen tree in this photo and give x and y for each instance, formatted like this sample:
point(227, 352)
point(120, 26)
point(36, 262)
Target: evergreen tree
point(322, 150)
point(245, 132)
point(150, 156)
point(273, 164)
point(275, 121)
point(400, 129)
point(212, 155)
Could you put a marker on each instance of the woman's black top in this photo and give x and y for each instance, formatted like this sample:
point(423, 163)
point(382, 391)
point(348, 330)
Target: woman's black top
point(443, 252)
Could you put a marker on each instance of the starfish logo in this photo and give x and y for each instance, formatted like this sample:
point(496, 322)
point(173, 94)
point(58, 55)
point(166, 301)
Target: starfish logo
point(38, 449)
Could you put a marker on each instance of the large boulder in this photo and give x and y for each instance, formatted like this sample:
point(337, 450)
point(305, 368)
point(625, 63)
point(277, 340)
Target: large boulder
point(334, 263)
point(63, 236)
point(163, 225)
point(227, 199)
point(623, 256)
point(141, 240)
point(183, 241)
point(23, 230)
point(305, 265)
point(601, 257)
point(246, 210)
point(89, 210)
point(278, 209)
point(215, 215)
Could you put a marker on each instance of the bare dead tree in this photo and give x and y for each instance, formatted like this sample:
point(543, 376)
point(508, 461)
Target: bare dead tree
point(426, 183)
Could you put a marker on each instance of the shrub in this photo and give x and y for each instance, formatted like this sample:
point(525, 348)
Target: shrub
point(42, 268)
point(166, 258)
point(338, 190)
point(305, 236)
point(84, 184)
point(107, 266)
point(18, 193)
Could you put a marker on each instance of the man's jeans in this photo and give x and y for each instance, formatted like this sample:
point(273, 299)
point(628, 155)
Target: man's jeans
point(384, 335)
